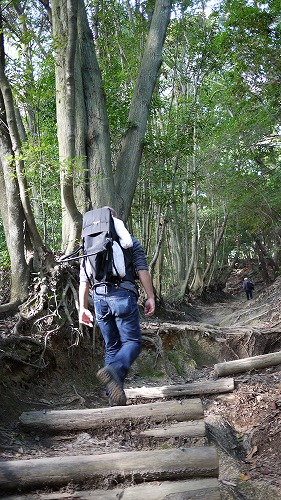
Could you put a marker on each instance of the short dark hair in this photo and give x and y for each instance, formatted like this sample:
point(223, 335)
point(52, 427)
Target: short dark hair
point(113, 212)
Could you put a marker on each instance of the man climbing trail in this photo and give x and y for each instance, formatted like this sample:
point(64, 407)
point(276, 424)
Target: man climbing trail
point(248, 287)
point(116, 312)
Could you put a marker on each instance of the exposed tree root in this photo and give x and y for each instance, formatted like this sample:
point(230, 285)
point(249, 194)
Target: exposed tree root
point(45, 319)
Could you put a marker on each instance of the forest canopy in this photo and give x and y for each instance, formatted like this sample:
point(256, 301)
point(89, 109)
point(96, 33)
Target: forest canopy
point(168, 112)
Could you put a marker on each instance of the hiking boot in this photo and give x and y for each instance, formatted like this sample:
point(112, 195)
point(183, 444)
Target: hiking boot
point(109, 377)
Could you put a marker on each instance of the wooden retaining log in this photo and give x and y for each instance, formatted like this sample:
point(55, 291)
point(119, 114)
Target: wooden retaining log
point(197, 489)
point(58, 420)
point(139, 466)
point(194, 428)
point(193, 388)
point(246, 364)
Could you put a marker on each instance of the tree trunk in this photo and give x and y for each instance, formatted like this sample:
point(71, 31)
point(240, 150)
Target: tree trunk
point(79, 87)
point(215, 247)
point(192, 388)
point(65, 33)
point(195, 489)
point(13, 222)
point(156, 465)
point(127, 168)
point(266, 260)
point(98, 418)
point(97, 136)
point(246, 364)
point(11, 206)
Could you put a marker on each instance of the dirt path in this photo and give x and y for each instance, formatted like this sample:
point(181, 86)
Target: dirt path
point(244, 426)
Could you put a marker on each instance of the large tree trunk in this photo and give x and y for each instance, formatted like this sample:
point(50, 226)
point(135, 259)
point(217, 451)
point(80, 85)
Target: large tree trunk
point(131, 152)
point(101, 184)
point(65, 33)
point(80, 90)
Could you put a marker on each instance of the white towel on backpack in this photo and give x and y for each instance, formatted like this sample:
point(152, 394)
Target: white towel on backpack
point(123, 233)
point(118, 265)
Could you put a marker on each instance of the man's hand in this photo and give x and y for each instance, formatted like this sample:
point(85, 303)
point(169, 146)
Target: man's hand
point(149, 307)
point(86, 317)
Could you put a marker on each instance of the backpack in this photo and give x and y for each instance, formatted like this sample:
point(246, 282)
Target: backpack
point(98, 239)
point(250, 286)
point(109, 262)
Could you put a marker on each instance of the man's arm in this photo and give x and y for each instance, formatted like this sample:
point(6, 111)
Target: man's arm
point(146, 282)
point(85, 316)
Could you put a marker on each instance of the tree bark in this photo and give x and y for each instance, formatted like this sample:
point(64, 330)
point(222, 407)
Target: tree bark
point(100, 176)
point(13, 222)
point(206, 387)
point(194, 428)
point(246, 364)
point(65, 34)
point(11, 123)
point(195, 489)
point(18, 219)
point(215, 246)
point(156, 465)
point(127, 167)
point(98, 418)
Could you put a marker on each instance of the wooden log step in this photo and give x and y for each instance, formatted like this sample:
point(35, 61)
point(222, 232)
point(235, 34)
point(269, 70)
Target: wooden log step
point(195, 489)
point(57, 420)
point(246, 364)
point(139, 466)
point(194, 428)
point(193, 388)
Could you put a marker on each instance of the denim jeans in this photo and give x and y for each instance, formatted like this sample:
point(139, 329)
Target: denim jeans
point(118, 318)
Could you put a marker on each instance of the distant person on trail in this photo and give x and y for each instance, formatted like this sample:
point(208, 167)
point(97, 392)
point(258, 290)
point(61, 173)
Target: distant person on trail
point(117, 314)
point(248, 287)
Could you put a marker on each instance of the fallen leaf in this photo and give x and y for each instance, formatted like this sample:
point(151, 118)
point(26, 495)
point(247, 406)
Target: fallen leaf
point(244, 476)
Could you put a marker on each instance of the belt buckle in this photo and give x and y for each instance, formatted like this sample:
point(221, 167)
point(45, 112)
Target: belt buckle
point(101, 289)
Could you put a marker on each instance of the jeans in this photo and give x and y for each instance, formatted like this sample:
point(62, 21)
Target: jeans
point(117, 315)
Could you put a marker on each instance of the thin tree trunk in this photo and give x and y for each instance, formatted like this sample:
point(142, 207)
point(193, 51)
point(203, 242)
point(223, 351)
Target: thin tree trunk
point(16, 147)
point(13, 220)
point(215, 247)
point(261, 254)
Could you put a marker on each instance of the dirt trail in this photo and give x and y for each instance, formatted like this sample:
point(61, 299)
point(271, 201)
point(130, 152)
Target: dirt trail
point(244, 426)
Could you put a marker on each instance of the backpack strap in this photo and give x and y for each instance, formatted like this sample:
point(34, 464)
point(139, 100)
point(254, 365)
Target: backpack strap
point(68, 258)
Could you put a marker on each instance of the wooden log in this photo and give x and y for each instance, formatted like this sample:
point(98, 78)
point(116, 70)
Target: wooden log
point(246, 364)
point(193, 388)
point(197, 489)
point(140, 466)
point(194, 428)
point(57, 420)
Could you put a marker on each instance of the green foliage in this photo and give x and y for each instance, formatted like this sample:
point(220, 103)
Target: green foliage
point(212, 145)
point(120, 31)
point(4, 255)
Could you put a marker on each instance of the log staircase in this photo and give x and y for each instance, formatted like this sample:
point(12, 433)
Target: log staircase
point(171, 458)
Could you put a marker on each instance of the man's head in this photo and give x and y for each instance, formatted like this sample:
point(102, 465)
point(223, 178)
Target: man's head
point(113, 212)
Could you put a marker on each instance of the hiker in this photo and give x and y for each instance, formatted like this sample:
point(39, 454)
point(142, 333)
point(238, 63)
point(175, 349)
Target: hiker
point(117, 315)
point(248, 287)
